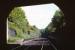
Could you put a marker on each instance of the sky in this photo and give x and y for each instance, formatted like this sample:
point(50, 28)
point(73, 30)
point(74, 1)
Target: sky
point(40, 15)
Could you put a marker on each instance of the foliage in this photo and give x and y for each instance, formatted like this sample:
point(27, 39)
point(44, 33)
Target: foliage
point(17, 16)
point(57, 21)
point(17, 21)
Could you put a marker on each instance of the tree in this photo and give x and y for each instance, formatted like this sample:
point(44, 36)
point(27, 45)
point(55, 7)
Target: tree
point(57, 21)
point(17, 21)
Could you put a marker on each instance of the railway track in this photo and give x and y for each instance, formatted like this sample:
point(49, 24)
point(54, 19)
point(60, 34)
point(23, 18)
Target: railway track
point(37, 43)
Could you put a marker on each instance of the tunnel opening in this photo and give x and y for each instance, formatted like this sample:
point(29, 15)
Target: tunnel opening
point(47, 32)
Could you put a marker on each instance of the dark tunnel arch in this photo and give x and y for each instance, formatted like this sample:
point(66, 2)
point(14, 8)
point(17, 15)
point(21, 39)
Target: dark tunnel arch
point(13, 4)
